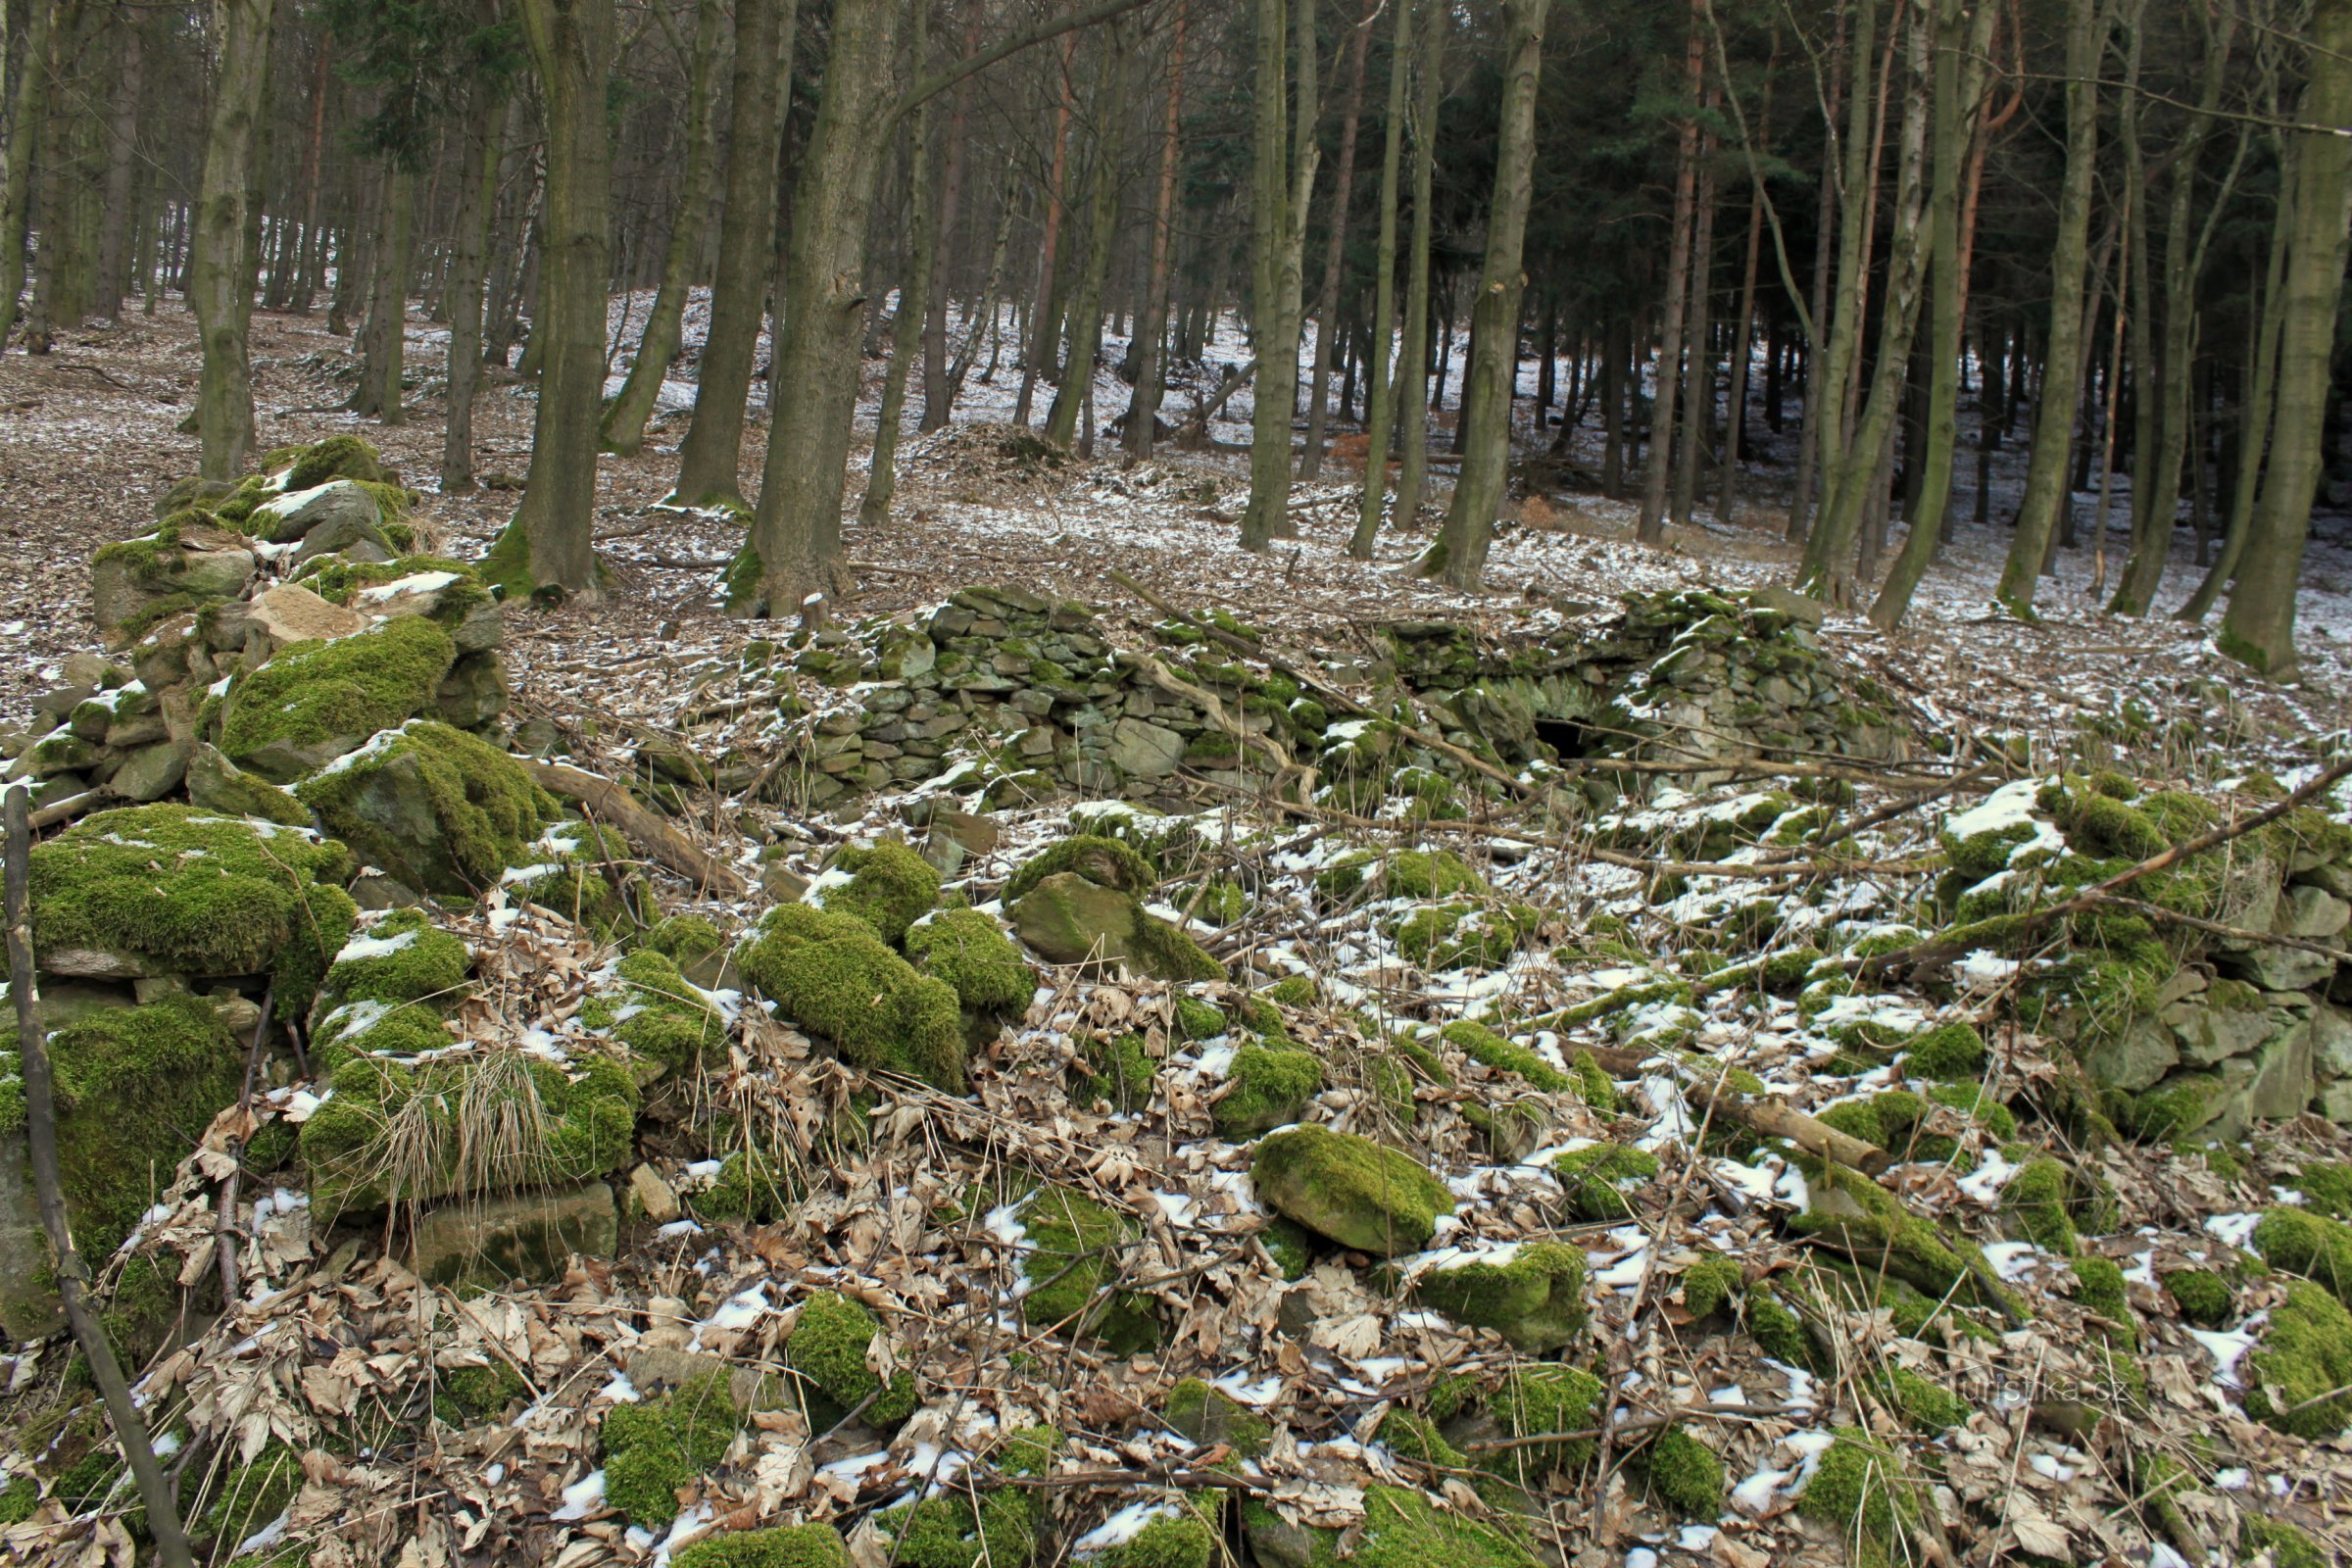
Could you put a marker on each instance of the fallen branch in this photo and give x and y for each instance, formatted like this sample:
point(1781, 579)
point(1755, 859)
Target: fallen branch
point(659, 840)
point(224, 1230)
point(1766, 1117)
point(41, 1127)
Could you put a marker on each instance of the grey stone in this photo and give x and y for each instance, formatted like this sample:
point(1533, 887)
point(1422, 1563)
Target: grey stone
point(1144, 749)
point(349, 533)
point(2276, 968)
point(219, 785)
point(653, 1198)
point(207, 564)
point(2138, 1058)
point(529, 1237)
point(305, 512)
point(291, 613)
point(2335, 1101)
point(1789, 602)
point(2282, 1082)
point(2331, 1040)
point(474, 693)
point(2311, 914)
point(30, 1308)
point(149, 774)
point(2209, 1035)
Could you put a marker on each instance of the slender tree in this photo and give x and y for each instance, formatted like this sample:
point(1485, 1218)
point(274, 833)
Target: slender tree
point(1102, 226)
point(1412, 354)
point(907, 329)
point(1383, 370)
point(1650, 526)
point(217, 274)
point(1326, 309)
point(1283, 181)
point(1150, 374)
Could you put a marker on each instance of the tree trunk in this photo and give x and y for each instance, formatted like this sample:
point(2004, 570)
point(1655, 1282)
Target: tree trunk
point(1412, 354)
point(122, 164)
point(1963, 43)
point(1699, 385)
point(1650, 527)
point(625, 418)
point(1830, 411)
point(1283, 181)
point(1809, 446)
point(2259, 628)
point(217, 272)
point(1150, 368)
point(939, 397)
point(1102, 226)
point(1335, 250)
point(469, 251)
point(1495, 361)
point(812, 388)
point(1044, 324)
point(710, 459)
point(549, 545)
point(1617, 346)
point(1726, 498)
point(1855, 479)
point(383, 367)
point(907, 330)
point(28, 114)
point(2048, 459)
point(2254, 415)
point(1381, 370)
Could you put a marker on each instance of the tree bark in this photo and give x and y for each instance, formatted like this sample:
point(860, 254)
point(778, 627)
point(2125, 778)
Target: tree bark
point(1382, 368)
point(1650, 526)
point(906, 331)
point(2254, 415)
point(381, 368)
point(1044, 323)
point(1283, 183)
point(2052, 439)
point(710, 459)
point(2259, 628)
point(1411, 381)
point(1809, 447)
point(1699, 385)
point(216, 273)
point(1334, 251)
point(122, 164)
point(27, 116)
point(1495, 356)
point(625, 420)
point(939, 397)
point(1103, 226)
point(548, 545)
point(470, 251)
point(1151, 369)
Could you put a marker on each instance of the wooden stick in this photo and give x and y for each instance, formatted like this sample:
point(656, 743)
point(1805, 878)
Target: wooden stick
point(40, 1121)
point(641, 827)
point(224, 1229)
point(1772, 1118)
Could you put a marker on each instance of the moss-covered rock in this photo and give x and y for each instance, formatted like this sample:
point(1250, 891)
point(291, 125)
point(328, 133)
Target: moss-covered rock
point(339, 457)
point(784, 1546)
point(829, 972)
point(1118, 1071)
point(1266, 1088)
point(1354, 1191)
point(1182, 1537)
point(1684, 1473)
point(1948, 1051)
point(656, 1446)
point(890, 887)
point(1071, 1266)
point(1534, 1298)
point(169, 890)
point(1482, 1045)
point(1208, 1416)
point(659, 1015)
point(2203, 1296)
point(315, 701)
point(2303, 1365)
point(1861, 1490)
point(1465, 934)
point(1068, 918)
point(827, 1347)
point(1864, 1221)
point(2033, 1207)
point(491, 1120)
point(443, 811)
point(1928, 1406)
point(971, 952)
point(1542, 1400)
point(403, 956)
point(1602, 1178)
point(1101, 859)
point(1712, 1283)
point(959, 1528)
point(2311, 1245)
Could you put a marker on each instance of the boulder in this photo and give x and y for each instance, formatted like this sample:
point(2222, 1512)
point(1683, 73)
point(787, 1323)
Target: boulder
point(1803, 610)
point(219, 785)
point(150, 772)
point(1357, 1193)
point(474, 693)
point(2331, 1040)
point(291, 613)
point(1145, 750)
point(2282, 1079)
point(1065, 919)
point(135, 579)
point(2135, 1059)
point(442, 811)
point(1532, 1295)
point(527, 1238)
point(2311, 914)
point(299, 513)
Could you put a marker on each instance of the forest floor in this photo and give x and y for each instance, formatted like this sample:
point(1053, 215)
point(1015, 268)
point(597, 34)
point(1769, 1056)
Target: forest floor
point(88, 437)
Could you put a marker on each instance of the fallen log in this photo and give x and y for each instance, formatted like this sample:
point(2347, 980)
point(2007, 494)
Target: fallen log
point(660, 840)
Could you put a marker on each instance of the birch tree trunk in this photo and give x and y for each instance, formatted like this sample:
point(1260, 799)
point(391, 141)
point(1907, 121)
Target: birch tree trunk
point(217, 271)
point(1495, 358)
point(1382, 368)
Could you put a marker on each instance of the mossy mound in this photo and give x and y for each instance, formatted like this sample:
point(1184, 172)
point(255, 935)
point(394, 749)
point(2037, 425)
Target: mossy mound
point(1482, 1045)
point(1534, 1297)
point(1465, 934)
point(1070, 1267)
point(1866, 1222)
point(339, 457)
point(1600, 1179)
point(829, 972)
point(1350, 1190)
point(475, 1121)
point(443, 811)
point(1267, 1087)
point(400, 958)
point(971, 952)
point(1684, 1473)
point(2033, 1207)
point(785, 1547)
point(2311, 1245)
point(658, 1014)
point(1210, 1417)
point(1712, 1283)
point(133, 1087)
point(1104, 861)
point(890, 887)
point(1118, 1071)
point(827, 1347)
point(1411, 874)
point(1540, 1400)
point(1947, 1052)
point(654, 1447)
point(1928, 1406)
point(2304, 1365)
point(314, 701)
point(2203, 1296)
point(173, 889)
point(959, 1528)
point(1185, 1536)
point(1068, 918)
point(1861, 1490)
point(584, 873)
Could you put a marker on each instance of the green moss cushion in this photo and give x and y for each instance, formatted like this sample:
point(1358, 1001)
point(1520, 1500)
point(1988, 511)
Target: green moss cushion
point(315, 701)
point(829, 972)
point(1350, 1189)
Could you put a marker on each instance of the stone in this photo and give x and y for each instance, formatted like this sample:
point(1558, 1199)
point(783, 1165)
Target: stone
point(2136, 1058)
point(374, 890)
point(1068, 919)
point(291, 613)
point(128, 581)
point(781, 883)
point(65, 1003)
point(149, 774)
point(2276, 968)
point(1144, 749)
point(2209, 1035)
point(2283, 1080)
point(1357, 1193)
point(2335, 1101)
point(654, 1198)
point(1805, 612)
point(2331, 1040)
point(348, 534)
point(2311, 914)
point(528, 1238)
point(474, 693)
point(219, 785)
point(304, 512)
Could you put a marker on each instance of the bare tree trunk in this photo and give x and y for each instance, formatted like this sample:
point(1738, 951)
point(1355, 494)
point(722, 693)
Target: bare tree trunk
point(122, 162)
point(1352, 105)
point(1102, 223)
point(2269, 313)
point(1044, 324)
point(1412, 354)
point(939, 397)
point(548, 545)
point(1381, 370)
point(711, 458)
point(906, 331)
point(1495, 356)
point(1284, 181)
point(1650, 527)
point(470, 251)
point(382, 369)
point(28, 114)
point(1699, 385)
point(1726, 501)
point(625, 420)
point(1809, 446)
point(218, 284)
point(1150, 368)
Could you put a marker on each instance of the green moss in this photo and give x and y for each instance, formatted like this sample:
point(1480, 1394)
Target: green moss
point(253, 1495)
point(2327, 1187)
point(1711, 1283)
point(1107, 861)
point(1403, 1529)
point(400, 958)
point(751, 1185)
point(1357, 1193)
point(2287, 1544)
point(665, 1019)
point(1684, 1473)
point(1536, 1300)
point(2099, 1287)
point(1197, 1019)
point(1950, 1050)
point(1867, 1222)
point(472, 1394)
point(1972, 1100)
point(133, 1087)
point(2203, 1296)
point(1926, 1405)
point(19, 1498)
point(1271, 1088)
point(1290, 1246)
point(391, 1132)
point(1412, 1436)
point(1537, 1401)
point(1182, 1539)
point(1592, 1082)
point(353, 1027)
point(685, 940)
point(1208, 1417)
point(1484, 1045)
point(184, 892)
point(971, 952)
point(1121, 1071)
point(339, 457)
point(2035, 1205)
point(1165, 951)
point(889, 888)
point(829, 972)
point(1778, 1332)
point(313, 693)
point(1860, 1490)
point(1464, 934)
point(785, 1547)
point(2303, 1365)
point(1071, 1267)
point(828, 1348)
point(2311, 1245)
point(998, 1529)
point(481, 809)
point(1597, 1178)
point(654, 1447)
point(582, 872)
